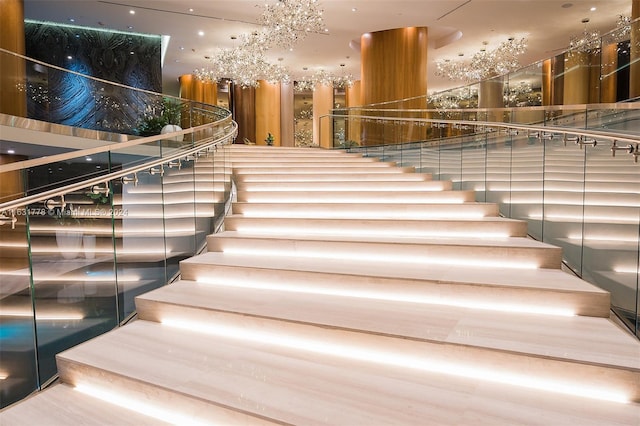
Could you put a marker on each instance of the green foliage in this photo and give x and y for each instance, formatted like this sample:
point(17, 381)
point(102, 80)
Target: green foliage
point(269, 140)
point(159, 115)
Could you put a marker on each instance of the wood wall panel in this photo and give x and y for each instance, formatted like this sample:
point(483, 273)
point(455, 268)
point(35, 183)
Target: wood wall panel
point(393, 67)
point(322, 105)
point(394, 64)
point(576, 79)
point(268, 112)
point(244, 112)
point(609, 82)
point(354, 99)
point(287, 115)
point(634, 70)
point(12, 69)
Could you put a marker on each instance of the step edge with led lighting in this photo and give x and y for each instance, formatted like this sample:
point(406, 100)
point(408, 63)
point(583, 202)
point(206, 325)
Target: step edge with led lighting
point(269, 376)
point(154, 307)
point(572, 296)
point(95, 380)
point(446, 196)
point(453, 251)
point(367, 210)
point(486, 227)
point(332, 169)
point(432, 185)
point(342, 177)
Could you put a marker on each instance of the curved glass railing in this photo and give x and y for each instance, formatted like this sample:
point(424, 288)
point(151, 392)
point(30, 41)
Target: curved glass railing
point(576, 188)
point(84, 231)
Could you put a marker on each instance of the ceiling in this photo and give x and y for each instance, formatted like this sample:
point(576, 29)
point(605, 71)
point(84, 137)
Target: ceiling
point(547, 25)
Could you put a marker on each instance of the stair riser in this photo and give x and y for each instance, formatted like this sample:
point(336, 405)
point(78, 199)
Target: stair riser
point(344, 177)
point(203, 411)
point(394, 253)
point(477, 358)
point(408, 197)
point(328, 165)
point(582, 303)
point(336, 170)
point(370, 227)
point(345, 186)
point(367, 211)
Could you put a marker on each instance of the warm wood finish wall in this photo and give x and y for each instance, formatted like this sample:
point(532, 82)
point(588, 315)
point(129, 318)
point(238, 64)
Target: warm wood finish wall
point(322, 105)
point(609, 82)
point(244, 112)
point(394, 64)
point(12, 69)
point(634, 71)
point(393, 67)
point(354, 99)
point(268, 112)
point(287, 115)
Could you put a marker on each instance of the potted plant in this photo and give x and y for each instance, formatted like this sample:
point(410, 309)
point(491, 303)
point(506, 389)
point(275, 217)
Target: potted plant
point(269, 140)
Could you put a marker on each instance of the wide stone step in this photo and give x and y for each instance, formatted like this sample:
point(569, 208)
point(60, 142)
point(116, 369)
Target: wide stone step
point(315, 169)
point(489, 227)
point(506, 289)
point(319, 377)
point(463, 336)
point(342, 177)
point(440, 185)
point(382, 196)
point(513, 252)
point(278, 164)
point(351, 210)
point(277, 160)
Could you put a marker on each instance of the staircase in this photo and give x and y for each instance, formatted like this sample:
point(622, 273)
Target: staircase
point(345, 291)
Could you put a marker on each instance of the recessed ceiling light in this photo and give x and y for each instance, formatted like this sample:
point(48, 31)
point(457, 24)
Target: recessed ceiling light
point(200, 33)
point(190, 9)
point(593, 9)
point(11, 151)
point(72, 20)
point(69, 57)
point(132, 12)
point(354, 9)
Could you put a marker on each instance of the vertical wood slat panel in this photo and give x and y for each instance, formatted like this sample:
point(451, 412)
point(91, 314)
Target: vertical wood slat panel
point(394, 64)
point(244, 112)
point(13, 101)
point(267, 107)
point(287, 115)
point(322, 105)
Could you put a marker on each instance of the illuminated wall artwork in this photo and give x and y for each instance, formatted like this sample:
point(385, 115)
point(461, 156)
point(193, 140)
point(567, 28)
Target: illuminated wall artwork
point(69, 99)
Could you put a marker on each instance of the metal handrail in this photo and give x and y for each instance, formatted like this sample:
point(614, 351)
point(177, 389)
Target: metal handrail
point(21, 202)
point(540, 131)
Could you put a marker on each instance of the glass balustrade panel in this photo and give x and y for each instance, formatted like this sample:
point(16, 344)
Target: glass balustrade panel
point(499, 168)
point(18, 369)
point(73, 271)
point(611, 227)
point(564, 185)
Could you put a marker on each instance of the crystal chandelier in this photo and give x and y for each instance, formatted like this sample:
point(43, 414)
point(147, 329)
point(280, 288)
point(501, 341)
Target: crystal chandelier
point(290, 21)
point(286, 23)
point(484, 64)
point(623, 28)
point(587, 42)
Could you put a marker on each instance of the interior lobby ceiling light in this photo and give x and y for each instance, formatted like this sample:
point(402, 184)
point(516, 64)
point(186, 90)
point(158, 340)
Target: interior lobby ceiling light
point(484, 64)
point(586, 42)
point(285, 23)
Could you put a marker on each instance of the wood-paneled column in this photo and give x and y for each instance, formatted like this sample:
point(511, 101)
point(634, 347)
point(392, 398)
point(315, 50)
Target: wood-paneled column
point(634, 71)
point(268, 112)
point(354, 99)
point(322, 105)
point(609, 83)
point(244, 112)
point(13, 98)
point(287, 128)
point(393, 66)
